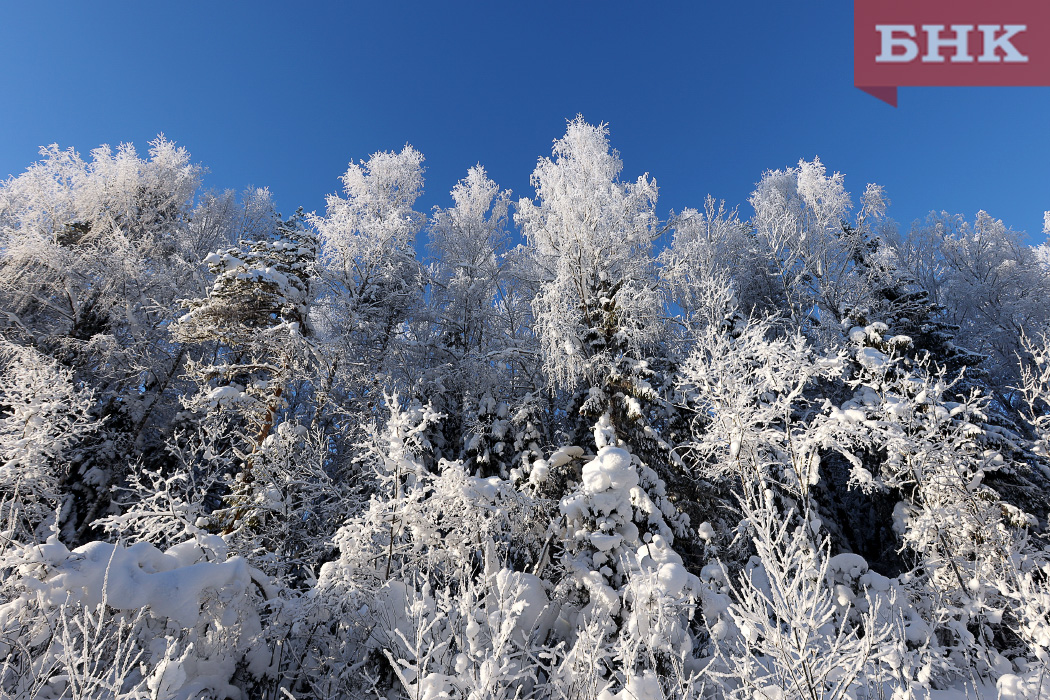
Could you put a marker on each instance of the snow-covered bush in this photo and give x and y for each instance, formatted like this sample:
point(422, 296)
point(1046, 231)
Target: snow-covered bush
point(1035, 378)
point(43, 413)
point(933, 453)
point(420, 521)
point(615, 534)
point(789, 633)
point(114, 621)
point(754, 420)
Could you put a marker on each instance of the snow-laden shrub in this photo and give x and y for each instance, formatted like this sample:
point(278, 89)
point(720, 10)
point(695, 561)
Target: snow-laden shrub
point(1035, 385)
point(113, 621)
point(296, 509)
point(912, 438)
point(419, 521)
point(503, 636)
point(483, 640)
point(787, 632)
point(615, 533)
point(754, 420)
point(420, 557)
point(42, 414)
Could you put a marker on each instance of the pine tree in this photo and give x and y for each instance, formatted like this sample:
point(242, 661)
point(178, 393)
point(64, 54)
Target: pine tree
point(255, 323)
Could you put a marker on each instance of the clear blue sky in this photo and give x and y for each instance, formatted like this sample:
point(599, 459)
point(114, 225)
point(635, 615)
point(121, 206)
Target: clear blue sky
point(704, 96)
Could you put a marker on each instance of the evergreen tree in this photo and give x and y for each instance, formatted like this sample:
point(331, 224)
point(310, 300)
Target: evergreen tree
point(254, 324)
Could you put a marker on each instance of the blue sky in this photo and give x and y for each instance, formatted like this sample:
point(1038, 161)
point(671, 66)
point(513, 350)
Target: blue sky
point(704, 96)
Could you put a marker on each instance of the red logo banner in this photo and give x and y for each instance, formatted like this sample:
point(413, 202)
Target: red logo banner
point(949, 43)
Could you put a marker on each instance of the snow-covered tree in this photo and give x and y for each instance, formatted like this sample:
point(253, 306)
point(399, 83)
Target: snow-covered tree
point(369, 267)
point(798, 219)
point(592, 237)
point(468, 242)
point(96, 254)
point(43, 414)
point(254, 325)
point(1035, 376)
point(991, 284)
point(430, 548)
point(714, 254)
point(478, 346)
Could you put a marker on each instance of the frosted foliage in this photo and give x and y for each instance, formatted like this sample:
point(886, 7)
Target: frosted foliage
point(93, 225)
point(219, 218)
point(42, 200)
point(975, 554)
point(43, 414)
point(468, 239)
point(698, 268)
point(249, 456)
point(799, 216)
point(793, 637)
point(468, 277)
point(873, 203)
point(295, 506)
point(748, 389)
point(825, 196)
point(1035, 378)
point(590, 233)
point(993, 284)
point(363, 231)
point(475, 224)
point(416, 520)
point(372, 281)
point(115, 191)
point(162, 510)
point(398, 450)
point(96, 255)
point(1018, 593)
point(429, 611)
point(1043, 251)
point(484, 642)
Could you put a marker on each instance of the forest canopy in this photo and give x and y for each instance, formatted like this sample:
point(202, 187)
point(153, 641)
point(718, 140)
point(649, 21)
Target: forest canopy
point(558, 446)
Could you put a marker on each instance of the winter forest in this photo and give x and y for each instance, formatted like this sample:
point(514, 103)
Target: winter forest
point(558, 447)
